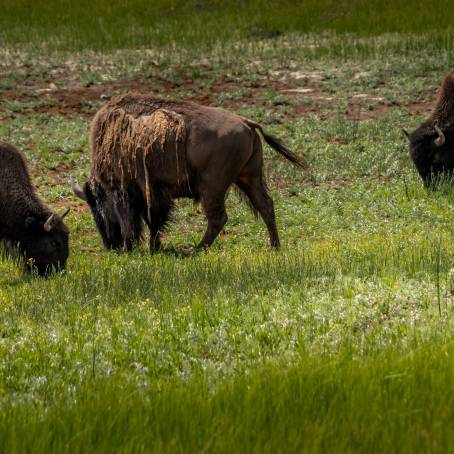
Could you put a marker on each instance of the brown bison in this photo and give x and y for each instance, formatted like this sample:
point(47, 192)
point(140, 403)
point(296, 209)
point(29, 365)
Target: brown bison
point(432, 144)
point(26, 224)
point(146, 152)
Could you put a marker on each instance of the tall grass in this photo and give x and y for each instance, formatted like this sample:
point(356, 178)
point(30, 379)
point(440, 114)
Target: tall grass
point(317, 405)
point(102, 24)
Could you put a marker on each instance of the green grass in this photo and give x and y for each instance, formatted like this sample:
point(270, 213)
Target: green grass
point(132, 23)
point(342, 341)
point(316, 349)
point(316, 405)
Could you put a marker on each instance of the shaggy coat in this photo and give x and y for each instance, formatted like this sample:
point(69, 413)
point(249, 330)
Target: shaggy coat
point(26, 224)
point(432, 143)
point(146, 152)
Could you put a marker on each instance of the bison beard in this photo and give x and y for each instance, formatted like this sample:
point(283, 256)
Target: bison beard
point(27, 227)
point(147, 152)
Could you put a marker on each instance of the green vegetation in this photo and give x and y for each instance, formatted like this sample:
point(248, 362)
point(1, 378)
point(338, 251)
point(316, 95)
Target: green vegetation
point(315, 405)
point(342, 341)
point(101, 24)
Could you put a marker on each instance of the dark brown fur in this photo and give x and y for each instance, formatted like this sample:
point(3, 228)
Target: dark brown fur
point(23, 215)
point(431, 160)
point(444, 109)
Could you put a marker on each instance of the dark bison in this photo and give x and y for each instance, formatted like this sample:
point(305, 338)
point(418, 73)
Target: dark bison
point(432, 144)
point(26, 224)
point(146, 152)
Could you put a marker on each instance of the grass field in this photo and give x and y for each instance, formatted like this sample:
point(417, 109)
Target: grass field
point(343, 341)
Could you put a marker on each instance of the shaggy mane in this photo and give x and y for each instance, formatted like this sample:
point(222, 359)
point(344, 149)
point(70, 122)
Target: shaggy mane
point(128, 144)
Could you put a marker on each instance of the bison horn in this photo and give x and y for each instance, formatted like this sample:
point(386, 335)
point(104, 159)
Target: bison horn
point(49, 224)
point(52, 219)
point(65, 214)
point(440, 140)
point(77, 190)
point(406, 133)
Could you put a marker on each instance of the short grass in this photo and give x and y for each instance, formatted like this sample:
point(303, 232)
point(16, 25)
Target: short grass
point(341, 341)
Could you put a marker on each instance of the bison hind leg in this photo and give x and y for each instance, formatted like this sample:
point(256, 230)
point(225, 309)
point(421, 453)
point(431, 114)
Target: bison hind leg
point(244, 197)
point(251, 182)
point(257, 193)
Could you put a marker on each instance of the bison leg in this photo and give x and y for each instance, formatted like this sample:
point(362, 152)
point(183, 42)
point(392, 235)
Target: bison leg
point(127, 209)
point(216, 216)
point(257, 193)
point(112, 236)
point(155, 240)
point(157, 216)
point(156, 225)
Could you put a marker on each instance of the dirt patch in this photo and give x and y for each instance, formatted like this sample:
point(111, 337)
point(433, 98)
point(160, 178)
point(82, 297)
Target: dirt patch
point(290, 97)
point(360, 112)
point(87, 100)
point(75, 207)
point(377, 108)
point(59, 173)
point(422, 107)
point(72, 100)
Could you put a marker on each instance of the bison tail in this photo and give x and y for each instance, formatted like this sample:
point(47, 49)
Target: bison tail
point(277, 145)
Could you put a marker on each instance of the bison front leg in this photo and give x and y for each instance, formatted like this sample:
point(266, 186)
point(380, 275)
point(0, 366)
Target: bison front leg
point(155, 234)
point(155, 240)
point(127, 212)
point(216, 217)
point(157, 216)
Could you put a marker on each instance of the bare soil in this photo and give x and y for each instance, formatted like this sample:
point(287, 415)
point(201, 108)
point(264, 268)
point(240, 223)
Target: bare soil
point(298, 98)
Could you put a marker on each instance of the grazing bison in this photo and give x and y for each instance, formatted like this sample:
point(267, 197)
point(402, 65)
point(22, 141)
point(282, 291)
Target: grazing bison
point(146, 152)
point(26, 224)
point(432, 144)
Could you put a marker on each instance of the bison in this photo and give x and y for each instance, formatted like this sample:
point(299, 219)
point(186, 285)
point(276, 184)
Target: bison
point(146, 152)
point(432, 143)
point(26, 224)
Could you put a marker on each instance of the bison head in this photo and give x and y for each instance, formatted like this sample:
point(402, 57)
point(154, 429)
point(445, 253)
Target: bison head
point(103, 208)
point(432, 151)
point(45, 243)
point(432, 144)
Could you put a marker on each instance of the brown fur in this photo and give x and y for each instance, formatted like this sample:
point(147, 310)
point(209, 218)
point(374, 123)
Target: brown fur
point(131, 147)
point(149, 151)
point(23, 216)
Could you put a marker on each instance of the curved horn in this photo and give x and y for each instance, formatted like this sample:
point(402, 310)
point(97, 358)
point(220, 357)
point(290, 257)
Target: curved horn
point(77, 190)
point(65, 213)
point(440, 140)
point(48, 225)
point(407, 135)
